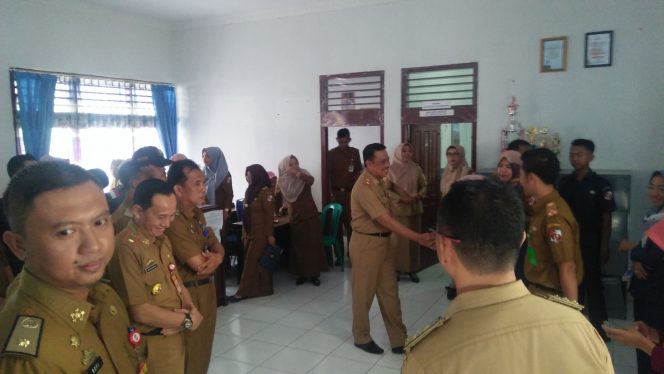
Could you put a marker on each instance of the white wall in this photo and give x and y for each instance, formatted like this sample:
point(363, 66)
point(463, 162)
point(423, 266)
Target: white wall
point(75, 37)
point(253, 89)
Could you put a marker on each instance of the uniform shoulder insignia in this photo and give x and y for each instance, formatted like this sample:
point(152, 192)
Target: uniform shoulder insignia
point(412, 341)
point(367, 181)
point(551, 209)
point(25, 336)
point(559, 299)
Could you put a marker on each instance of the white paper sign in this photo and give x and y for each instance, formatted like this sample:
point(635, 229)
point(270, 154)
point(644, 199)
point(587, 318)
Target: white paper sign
point(215, 220)
point(436, 104)
point(437, 113)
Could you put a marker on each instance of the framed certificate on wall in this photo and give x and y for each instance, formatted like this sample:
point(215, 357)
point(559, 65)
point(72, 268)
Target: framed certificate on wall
point(553, 54)
point(599, 49)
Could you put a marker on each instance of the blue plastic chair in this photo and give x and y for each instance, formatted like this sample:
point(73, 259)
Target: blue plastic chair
point(330, 217)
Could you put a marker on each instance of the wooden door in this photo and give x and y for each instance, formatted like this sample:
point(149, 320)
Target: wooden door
point(426, 145)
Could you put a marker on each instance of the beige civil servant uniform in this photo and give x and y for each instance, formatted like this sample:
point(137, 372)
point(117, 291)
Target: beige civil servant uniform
point(186, 234)
point(45, 330)
point(505, 329)
point(553, 237)
point(373, 262)
point(139, 273)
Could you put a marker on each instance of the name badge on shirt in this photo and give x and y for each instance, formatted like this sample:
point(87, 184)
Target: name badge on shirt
point(151, 266)
point(95, 367)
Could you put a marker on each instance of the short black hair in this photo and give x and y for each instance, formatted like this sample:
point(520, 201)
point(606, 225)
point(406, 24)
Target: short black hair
point(585, 143)
point(16, 163)
point(543, 163)
point(100, 177)
point(656, 173)
point(343, 133)
point(146, 190)
point(515, 144)
point(485, 219)
point(176, 173)
point(31, 182)
point(370, 150)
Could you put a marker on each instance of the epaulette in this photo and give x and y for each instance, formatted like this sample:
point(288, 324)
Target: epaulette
point(559, 299)
point(132, 237)
point(25, 336)
point(412, 341)
point(551, 209)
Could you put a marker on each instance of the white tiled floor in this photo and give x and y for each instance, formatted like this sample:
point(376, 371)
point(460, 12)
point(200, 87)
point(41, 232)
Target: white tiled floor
point(307, 329)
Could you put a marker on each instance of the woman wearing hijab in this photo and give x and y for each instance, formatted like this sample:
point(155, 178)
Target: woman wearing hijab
point(308, 259)
point(647, 284)
point(409, 187)
point(218, 180)
point(257, 233)
point(509, 167)
point(457, 167)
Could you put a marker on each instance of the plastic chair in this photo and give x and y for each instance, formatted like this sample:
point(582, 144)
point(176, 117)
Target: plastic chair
point(239, 208)
point(329, 227)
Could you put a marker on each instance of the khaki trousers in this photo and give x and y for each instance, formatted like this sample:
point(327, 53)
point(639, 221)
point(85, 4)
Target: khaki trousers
point(165, 354)
point(373, 274)
point(198, 343)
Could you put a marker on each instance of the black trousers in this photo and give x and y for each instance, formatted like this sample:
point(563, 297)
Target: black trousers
point(591, 289)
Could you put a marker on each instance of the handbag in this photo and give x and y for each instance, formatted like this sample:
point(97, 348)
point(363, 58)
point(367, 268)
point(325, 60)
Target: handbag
point(270, 257)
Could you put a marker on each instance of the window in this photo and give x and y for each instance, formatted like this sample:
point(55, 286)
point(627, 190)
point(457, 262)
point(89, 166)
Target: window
point(97, 119)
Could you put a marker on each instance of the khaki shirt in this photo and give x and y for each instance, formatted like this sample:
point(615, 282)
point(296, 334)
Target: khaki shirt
point(553, 234)
point(344, 166)
point(139, 270)
point(369, 200)
point(223, 195)
point(186, 234)
point(505, 329)
point(46, 330)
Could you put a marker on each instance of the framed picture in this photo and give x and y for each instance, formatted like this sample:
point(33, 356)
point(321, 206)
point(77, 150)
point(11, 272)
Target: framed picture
point(599, 49)
point(553, 54)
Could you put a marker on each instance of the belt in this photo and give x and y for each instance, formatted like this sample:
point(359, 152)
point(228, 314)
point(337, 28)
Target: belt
point(154, 332)
point(344, 189)
point(198, 282)
point(378, 234)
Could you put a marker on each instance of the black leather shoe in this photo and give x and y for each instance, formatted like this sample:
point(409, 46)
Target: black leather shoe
point(315, 281)
point(234, 299)
point(370, 347)
point(414, 278)
point(299, 281)
point(398, 350)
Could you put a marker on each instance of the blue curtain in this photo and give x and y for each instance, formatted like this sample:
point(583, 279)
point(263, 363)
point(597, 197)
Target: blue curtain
point(35, 95)
point(163, 97)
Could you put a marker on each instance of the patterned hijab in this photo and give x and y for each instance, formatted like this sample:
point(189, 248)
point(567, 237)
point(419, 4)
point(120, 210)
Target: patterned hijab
point(291, 186)
point(404, 173)
point(215, 173)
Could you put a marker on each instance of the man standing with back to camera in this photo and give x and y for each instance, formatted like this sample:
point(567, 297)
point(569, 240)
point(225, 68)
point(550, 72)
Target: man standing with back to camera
point(344, 166)
point(495, 325)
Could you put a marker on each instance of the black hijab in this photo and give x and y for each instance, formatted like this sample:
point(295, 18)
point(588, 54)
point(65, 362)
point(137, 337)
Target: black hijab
point(259, 180)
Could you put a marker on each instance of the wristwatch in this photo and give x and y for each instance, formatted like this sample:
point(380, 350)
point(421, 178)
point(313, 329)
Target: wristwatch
point(187, 324)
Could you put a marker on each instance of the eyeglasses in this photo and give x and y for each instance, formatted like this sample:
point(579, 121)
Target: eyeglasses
point(453, 238)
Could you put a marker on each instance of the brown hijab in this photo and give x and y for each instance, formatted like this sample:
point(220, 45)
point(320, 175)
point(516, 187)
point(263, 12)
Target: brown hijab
point(404, 173)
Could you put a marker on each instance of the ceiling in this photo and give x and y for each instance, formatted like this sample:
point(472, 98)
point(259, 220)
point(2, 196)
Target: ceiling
point(229, 11)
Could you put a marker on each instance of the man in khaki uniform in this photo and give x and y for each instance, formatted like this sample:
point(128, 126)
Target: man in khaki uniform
point(146, 163)
point(58, 317)
point(144, 274)
point(198, 253)
point(343, 167)
point(374, 268)
point(553, 262)
point(495, 325)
